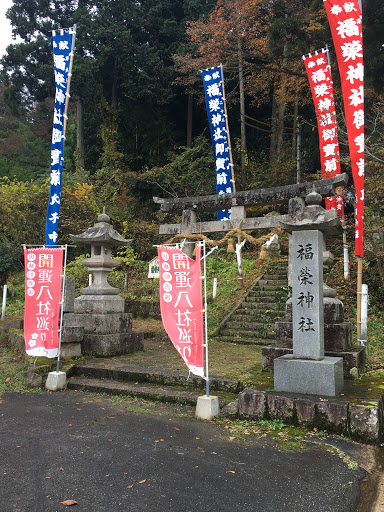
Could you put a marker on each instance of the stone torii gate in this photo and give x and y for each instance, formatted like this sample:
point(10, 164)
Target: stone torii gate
point(238, 201)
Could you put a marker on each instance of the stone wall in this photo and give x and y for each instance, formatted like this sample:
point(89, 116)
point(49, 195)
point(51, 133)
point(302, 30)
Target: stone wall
point(140, 309)
point(362, 421)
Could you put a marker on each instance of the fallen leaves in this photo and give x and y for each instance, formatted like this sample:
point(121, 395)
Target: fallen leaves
point(141, 482)
point(68, 503)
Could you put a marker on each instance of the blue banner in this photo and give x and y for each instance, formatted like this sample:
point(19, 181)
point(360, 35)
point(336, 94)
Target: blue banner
point(61, 46)
point(215, 101)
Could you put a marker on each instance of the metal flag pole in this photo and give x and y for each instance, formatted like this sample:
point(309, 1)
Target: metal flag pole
point(73, 31)
point(204, 277)
point(62, 307)
point(359, 261)
point(205, 320)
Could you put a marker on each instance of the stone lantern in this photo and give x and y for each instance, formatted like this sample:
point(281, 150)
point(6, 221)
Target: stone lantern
point(99, 311)
point(100, 296)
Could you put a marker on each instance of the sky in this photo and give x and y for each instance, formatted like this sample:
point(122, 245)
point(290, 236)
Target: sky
point(5, 26)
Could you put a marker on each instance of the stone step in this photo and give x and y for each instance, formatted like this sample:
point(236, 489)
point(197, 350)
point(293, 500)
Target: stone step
point(281, 270)
point(245, 314)
point(262, 293)
point(243, 341)
point(268, 301)
point(275, 277)
point(157, 377)
point(276, 288)
point(246, 325)
point(248, 334)
point(145, 391)
point(276, 283)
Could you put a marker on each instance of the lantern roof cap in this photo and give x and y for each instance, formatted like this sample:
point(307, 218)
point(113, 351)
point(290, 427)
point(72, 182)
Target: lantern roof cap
point(101, 232)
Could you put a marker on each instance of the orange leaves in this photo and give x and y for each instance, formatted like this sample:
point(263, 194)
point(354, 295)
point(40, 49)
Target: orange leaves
point(68, 503)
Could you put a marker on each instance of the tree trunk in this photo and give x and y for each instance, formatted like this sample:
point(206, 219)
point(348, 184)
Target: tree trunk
point(281, 111)
point(278, 122)
point(80, 132)
point(189, 119)
point(294, 126)
point(114, 98)
point(242, 119)
point(272, 147)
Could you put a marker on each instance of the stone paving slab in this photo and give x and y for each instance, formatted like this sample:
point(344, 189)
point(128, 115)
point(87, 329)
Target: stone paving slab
point(146, 391)
point(125, 372)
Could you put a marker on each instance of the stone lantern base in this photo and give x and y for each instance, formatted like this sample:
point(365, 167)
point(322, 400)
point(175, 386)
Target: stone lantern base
point(102, 325)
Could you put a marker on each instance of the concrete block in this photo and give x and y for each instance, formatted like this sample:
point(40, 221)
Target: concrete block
point(332, 416)
point(99, 304)
point(280, 407)
point(353, 359)
point(69, 295)
point(71, 334)
point(269, 354)
point(111, 323)
point(69, 350)
point(324, 377)
point(306, 412)
point(365, 422)
point(207, 407)
point(231, 409)
point(56, 381)
point(333, 310)
point(112, 344)
point(32, 379)
point(283, 334)
point(16, 341)
point(337, 336)
point(252, 403)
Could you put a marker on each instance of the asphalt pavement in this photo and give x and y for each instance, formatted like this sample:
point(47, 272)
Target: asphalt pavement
point(107, 457)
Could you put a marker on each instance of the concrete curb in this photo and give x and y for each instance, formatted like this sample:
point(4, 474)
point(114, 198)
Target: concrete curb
point(363, 421)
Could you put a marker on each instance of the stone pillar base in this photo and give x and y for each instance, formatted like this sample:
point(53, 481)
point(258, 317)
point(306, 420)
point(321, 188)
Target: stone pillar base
point(207, 407)
point(324, 377)
point(56, 381)
point(112, 344)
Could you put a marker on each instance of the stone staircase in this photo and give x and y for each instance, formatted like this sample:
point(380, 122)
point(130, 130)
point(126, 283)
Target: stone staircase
point(173, 386)
point(252, 320)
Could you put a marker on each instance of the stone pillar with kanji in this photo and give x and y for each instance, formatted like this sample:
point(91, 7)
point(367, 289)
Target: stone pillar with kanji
point(307, 370)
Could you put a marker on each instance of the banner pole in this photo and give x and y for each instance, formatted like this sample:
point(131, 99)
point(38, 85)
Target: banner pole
point(205, 321)
point(359, 283)
point(62, 308)
point(69, 79)
point(227, 127)
point(231, 160)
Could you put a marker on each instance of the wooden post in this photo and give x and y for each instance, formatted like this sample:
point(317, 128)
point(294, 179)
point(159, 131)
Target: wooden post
point(187, 218)
point(359, 283)
point(238, 213)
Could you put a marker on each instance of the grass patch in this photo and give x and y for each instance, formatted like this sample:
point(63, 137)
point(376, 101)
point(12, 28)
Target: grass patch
point(13, 367)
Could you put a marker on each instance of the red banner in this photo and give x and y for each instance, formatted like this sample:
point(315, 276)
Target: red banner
point(181, 304)
point(346, 26)
point(319, 76)
point(43, 269)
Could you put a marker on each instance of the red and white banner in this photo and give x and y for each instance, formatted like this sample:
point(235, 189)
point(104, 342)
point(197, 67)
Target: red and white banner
point(319, 76)
point(181, 304)
point(346, 26)
point(43, 270)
